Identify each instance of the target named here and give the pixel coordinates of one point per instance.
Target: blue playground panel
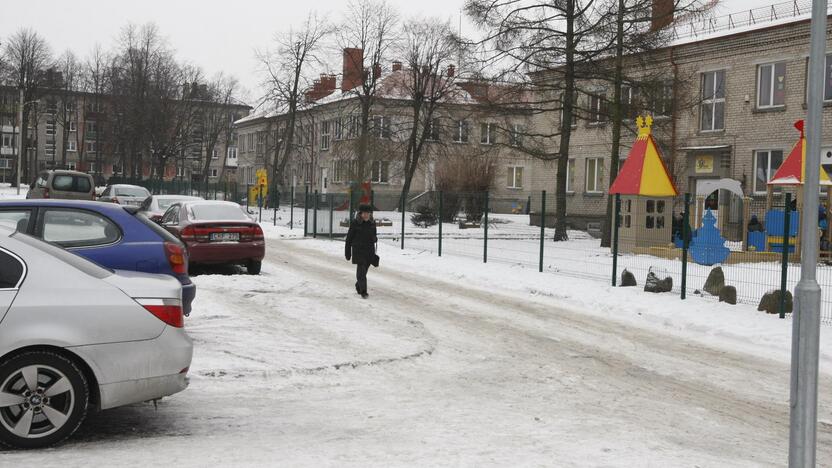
(757, 239)
(775, 220)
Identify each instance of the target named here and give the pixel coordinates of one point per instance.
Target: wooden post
(769, 201)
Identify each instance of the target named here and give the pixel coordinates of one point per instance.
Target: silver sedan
(75, 336)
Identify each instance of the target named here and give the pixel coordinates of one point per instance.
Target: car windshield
(80, 263)
(131, 192)
(165, 203)
(209, 212)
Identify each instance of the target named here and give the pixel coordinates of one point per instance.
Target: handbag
(374, 260)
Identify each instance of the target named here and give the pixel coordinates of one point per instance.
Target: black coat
(361, 241)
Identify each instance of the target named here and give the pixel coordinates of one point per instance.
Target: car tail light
(115, 200)
(192, 233)
(177, 257)
(166, 310)
(250, 233)
(46, 193)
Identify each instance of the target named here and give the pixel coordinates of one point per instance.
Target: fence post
(292, 210)
(305, 209)
(485, 231)
(315, 217)
(276, 205)
(404, 198)
(616, 224)
(685, 244)
(542, 226)
(784, 272)
(331, 200)
(260, 202)
(440, 223)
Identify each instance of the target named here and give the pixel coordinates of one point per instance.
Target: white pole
(20, 137)
(806, 317)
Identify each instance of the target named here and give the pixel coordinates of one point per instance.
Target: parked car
(123, 194)
(65, 185)
(75, 335)
(217, 232)
(110, 235)
(155, 205)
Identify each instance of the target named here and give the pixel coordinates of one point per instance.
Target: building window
(771, 85)
(574, 109)
(461, 132)
(241, 143)
(250, 142)
(5, 163)
(91, 147)
(654, 218)
(713, 101)
(661, 100)
(827, 83)
(70, 166)
(594, 174)
(354, 126)
(91, 168)
(433, 130)
(261, 142)
(570, 176)
(71, 146)
(766, 163)
(232, 153)
(214, 154)
(380, 173)
(117, 169)
(515, 177)
(598, 108)
(339, 128)
(73, 126)
(325, 135)
(516, 135)
(7, 140)
(50, 128)
(488, 134)
(381, 126)
(180, 171)
(213, 173)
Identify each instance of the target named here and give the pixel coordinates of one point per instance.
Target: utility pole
(20, 137)
(806, 318)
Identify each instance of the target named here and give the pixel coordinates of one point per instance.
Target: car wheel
(253, 267)
(43, 399)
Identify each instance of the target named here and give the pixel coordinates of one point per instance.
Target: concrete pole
(806, 317)
(20, 137)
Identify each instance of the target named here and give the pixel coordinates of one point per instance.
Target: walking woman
(361, 246)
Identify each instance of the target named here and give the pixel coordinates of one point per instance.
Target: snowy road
(293, 369)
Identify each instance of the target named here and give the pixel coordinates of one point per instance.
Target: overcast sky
(218, 35)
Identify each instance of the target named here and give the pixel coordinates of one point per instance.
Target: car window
(106, 192)
(209, 212)
(165, 203)
(78, 228)
(86, 266)
(11, 271)
(132, 192)
(41, 181)
(82, 184)
(62, 182)
(15, 219)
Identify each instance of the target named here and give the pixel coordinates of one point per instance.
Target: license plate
(225, 236)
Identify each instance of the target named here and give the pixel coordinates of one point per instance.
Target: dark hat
(364, 208)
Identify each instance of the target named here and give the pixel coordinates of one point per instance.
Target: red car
(217, 232)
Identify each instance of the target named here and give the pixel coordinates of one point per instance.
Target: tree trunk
(606, 225)
(566, 125)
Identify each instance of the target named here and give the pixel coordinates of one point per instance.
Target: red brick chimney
(376, 71)
(451, 71)
(662, 14)
(397, 66)
(353, 70)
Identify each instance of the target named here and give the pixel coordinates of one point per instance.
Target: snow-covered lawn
(453, 363)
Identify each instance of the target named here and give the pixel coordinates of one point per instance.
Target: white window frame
(487, 136)
(597, 113)
(338, 133)
(381, 127)
(597, 173)
(462, 133)
(516, 135)
(770, 70)
(713, 101)
(71, 145)
(380, 172)
(215, 154)
(90, 146)
(213, 173)
(71, 166)
(762, 190)
(232, 152)
(325, 129)
(7, 140)
(514, 173)
(5, 163)
(73, 126)
(180, 171)
(91, 167)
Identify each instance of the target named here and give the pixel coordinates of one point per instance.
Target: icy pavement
(455, 363)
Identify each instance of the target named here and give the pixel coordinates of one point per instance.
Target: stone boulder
(655, 285)
(715, 282)
(770, 303)
(728, 294)
(628, 279)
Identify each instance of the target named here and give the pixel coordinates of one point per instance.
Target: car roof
(210, 202)
(88, 204)
(128, 185)
(66, 171)
(177, 197)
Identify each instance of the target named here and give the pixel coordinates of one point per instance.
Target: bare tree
(370, 27)
(286, 69)
(69, 92)
(428, 48)
(27, 56)
(95, 81)
(214, 119)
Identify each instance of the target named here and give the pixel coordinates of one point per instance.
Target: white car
(76, 337)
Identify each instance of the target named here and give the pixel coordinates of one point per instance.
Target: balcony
(229, 162)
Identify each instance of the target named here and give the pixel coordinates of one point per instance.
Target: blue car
(108, 234)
